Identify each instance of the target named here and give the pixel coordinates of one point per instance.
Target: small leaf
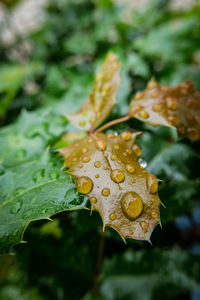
(162, 105)
(102, 97)
(106, 168)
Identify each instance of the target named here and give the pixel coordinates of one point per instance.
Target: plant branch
(114, 122)
(99, 261)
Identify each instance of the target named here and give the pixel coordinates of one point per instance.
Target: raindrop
(16, 207)
(101, 145)
(113, 157)
(152, 183)
(105, 192)
(84, 185)
(143, 114)
(144, 225)
(82, 123)
(86, 159)
(156, 107)
(54, 175)
(126, 136)
(38, 175)
(171, 103)
(137, 150)
(130, 168)
(97, 176)
(80, 166)
(84, 150)
(154, 214)
(97, 164)
(117, 175)
(132, 205)
(93, 200)
(112, 216)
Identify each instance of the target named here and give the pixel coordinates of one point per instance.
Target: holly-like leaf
(162, 105)
(31, 191)
(102, 97)
(106, 168)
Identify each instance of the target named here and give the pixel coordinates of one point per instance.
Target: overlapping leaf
(102, 97)
(106, 168)
(162, 105)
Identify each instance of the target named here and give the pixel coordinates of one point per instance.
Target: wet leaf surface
(102, 98)
(106, 168)
(162, 105)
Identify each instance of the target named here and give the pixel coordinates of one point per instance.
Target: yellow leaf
(162, 105)
(106, 168)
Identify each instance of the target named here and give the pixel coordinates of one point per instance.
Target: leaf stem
(99, 261)
(114, 122)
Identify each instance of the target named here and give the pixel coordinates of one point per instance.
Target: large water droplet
(154, 214)
(105, 192)
(113, 157)
(117, 175)
(86, 159)
(130, 168)
(101, 145)
(156, 107)
(171, 103)
(152, 184)
(84, 185)
(132, 205)
(93, 200)
(38, 175)
(16, 207)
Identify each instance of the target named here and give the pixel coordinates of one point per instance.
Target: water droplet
(133, 180)
(101, 145)
(38, 175)
(124, 153)
(131, 232)
(193, 134)
(116, 147)
(117, 175)
(54, 175)
(111, 135)
(90, 141)
(105, 192)
(174, 120)
(105, 168)
(84, 150)
(130, 168)
(2, 170)
(152, 183)
(156, 107)
(86, 159)
(82, 123)
(137, 150)
(93, 200)
(128, 151)
(80, 166)
(144, 225)
(153, 200)
(154, 214)
(27, 215)
(84, 185)
(113, 157)
(97, 164)
(132, 205)
(126, 136)
(97, 176)
(112, 216)
(171, 103)
(16, 207)
(143, 114)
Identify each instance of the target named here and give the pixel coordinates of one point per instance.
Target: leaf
(162, 105)
(102, 97)
(106, 168)
(149, 274)
(31, 191)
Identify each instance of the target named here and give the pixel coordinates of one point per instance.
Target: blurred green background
(49, 53)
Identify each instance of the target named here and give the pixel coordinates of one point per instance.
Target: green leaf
(149, 274)
(31, 191)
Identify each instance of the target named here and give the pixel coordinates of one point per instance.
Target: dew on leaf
(137, 150)
(97, 164)
(84, 185)
(101, 145)
(112, 216)
(154, 214)
(38, 175)
(113, 157)
(132, 205)
(152, 183)
(143, 114)
(93, 200)
(54, 175)
(86, 159)
(130, 168)
(105, 192)
(16, 207)
(144, 226)
(126, 136)
(117, 175)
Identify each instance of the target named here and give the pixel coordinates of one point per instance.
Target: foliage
(66, 51)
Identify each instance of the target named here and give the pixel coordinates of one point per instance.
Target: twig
(114, 122)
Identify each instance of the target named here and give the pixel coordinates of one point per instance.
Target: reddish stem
(99, 261)
(114, 122)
